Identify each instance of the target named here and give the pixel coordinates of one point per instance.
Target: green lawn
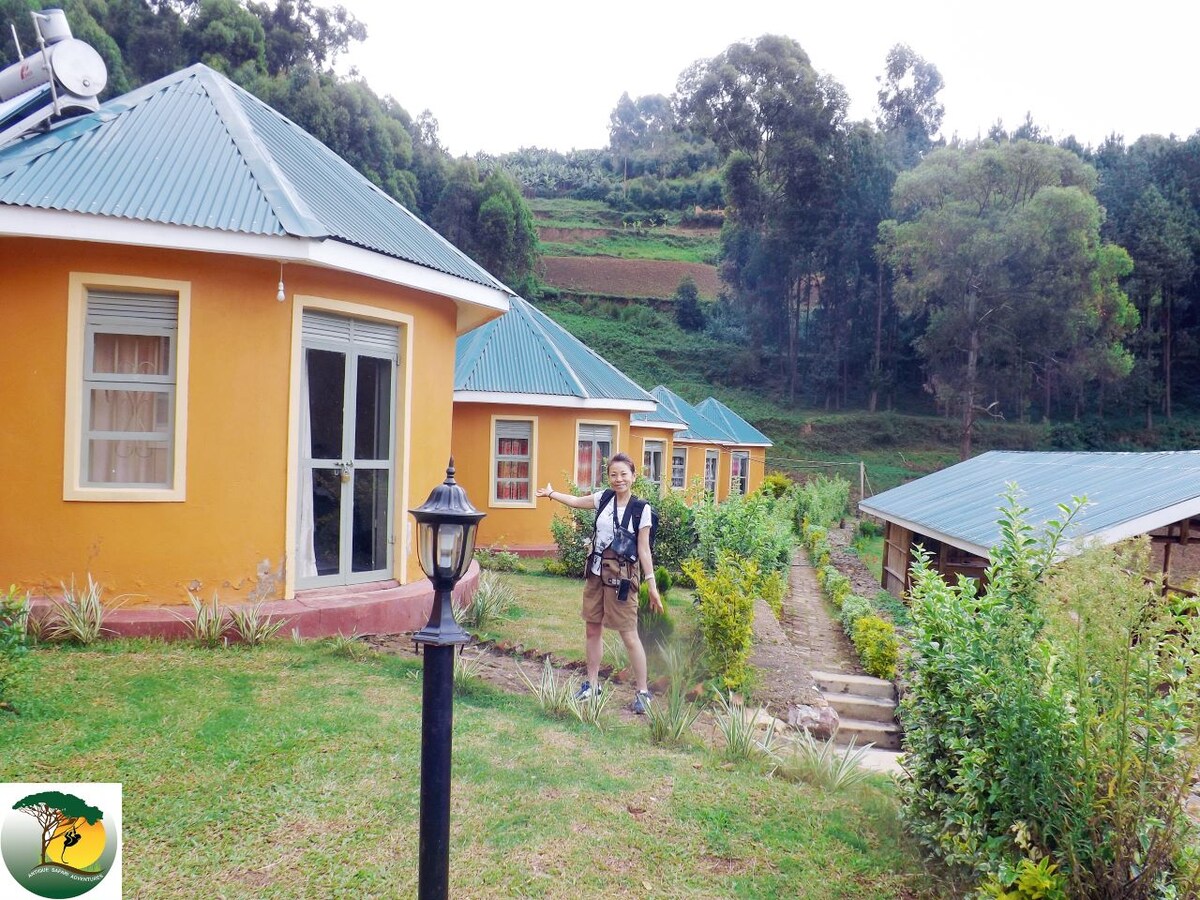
(291, 771)
(677, 247)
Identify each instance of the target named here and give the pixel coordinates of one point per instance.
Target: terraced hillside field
(606, 276)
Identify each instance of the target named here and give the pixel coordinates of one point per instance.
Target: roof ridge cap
(294, 214)
(527, 309)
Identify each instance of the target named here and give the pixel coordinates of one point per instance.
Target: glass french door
(347, 451)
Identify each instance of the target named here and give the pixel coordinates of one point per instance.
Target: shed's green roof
(1128, 494)
(743, 432)
(194, 149)
(526, 356)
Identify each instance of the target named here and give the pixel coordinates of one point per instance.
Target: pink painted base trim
(379, 608)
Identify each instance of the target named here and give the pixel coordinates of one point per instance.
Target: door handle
(346, 468)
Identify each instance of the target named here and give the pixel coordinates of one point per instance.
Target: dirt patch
(571, 235)
(605, 276)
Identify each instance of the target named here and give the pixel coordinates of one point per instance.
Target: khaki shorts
(600, 600)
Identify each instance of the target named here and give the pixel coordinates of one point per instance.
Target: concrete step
(864, 685)
(883, 735)
(856, 706)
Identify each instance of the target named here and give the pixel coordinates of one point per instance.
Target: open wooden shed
(954, 513)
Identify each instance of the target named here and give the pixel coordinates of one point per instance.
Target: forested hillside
(833, 264)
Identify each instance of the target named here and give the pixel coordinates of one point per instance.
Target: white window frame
(734, 457)
(78, 398)
(497, 458)
(710, 485)
(615, 432)
(681, 482)
(649, 446)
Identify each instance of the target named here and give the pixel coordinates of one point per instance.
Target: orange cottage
(533, 405)
(227, 363)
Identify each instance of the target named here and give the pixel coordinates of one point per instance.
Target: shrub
(1054, 718)
(822, 501)
(208, 621)
(726, 612)
(776, 485)
(757, 527)
(498, 560)
(837, 586)
(875, 641)
(572, 532)
(14, 613)
(772, 588)
(854, 608)
(655, 627)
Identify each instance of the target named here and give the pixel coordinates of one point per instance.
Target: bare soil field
(610, 277)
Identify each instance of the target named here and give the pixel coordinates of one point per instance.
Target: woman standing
(610, 592)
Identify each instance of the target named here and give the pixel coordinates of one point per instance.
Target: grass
(663, 246)
(870, 551)
(292, 771)
(565, 213)
(546, 616)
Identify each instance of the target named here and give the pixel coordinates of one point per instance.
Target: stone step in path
(866, 708)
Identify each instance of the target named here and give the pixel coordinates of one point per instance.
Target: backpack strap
(633, 513)
(604, 498)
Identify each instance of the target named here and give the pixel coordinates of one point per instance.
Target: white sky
(540, 73)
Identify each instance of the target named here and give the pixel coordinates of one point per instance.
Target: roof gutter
(475, 303)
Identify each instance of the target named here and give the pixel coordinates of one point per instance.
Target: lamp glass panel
(449, 549)
(426, 533)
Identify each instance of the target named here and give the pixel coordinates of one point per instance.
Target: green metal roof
(194, 149)
(699, 427)
(661, 417)
(525, 354)
(1128, 494)
(743, 432)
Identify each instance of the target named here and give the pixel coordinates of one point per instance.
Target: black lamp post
(446, 525)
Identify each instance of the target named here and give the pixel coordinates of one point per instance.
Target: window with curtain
(710, 471)
(512, 471)
(594, 450)
(739, 471)
(652, 460)
(129, 390)
(679, 467)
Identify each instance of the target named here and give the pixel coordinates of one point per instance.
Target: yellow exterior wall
(233, 523)
(519, 526)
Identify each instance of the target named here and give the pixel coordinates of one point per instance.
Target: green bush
(14, 613)
(498, 560)
(776, 485)
(854, 608)
(758, 527)
(837, 586)
(822, 500)
(875, 641)
(675, 539)
(773, 588)
(572, 533)
(725, 600)
(1054, 718)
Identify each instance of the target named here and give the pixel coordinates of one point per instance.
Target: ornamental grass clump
(208, 621)
(493, 600)
(823, 763)
(1052, 722)
(739, 730)
(253, 627)
(78, 615)
(553, 695)
(672, 715)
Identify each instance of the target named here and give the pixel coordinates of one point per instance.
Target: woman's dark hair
(623, 458)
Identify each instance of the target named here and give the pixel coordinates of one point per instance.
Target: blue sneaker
(586, 690)
(641, 702)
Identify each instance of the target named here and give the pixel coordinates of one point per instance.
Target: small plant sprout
(553, 694)
(739, 729)
(208, 621)
(253, 627)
